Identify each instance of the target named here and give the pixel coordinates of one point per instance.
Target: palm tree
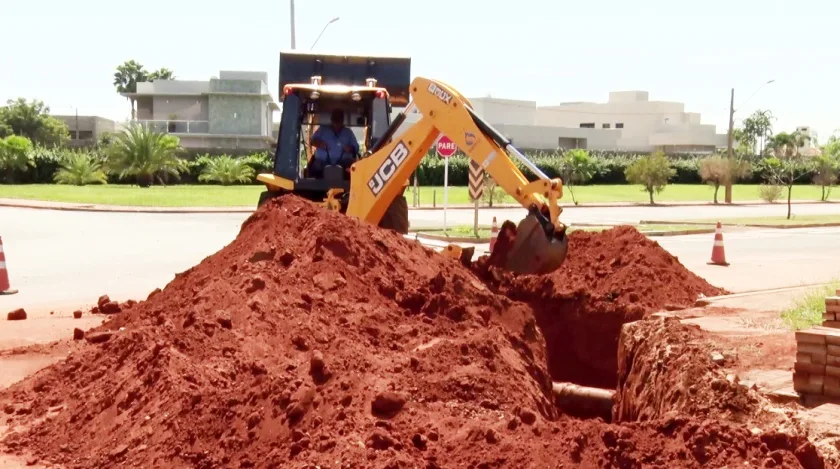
(763, 126)
(126, 78)
(143, 153)
(226, 171)
(79, 168)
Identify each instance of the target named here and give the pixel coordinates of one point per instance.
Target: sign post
(476, 189)
(445, 149)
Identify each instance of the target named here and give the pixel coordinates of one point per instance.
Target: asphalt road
(618, 215)
(62, 260)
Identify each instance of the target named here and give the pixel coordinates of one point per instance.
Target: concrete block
(810, 368)
(810, 336)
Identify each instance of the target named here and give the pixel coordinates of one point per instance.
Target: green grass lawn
(232, 196)
(780, 220)
(807, 310)
(627, 193)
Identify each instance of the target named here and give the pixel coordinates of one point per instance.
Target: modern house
(231, 113)
(628, 121)
(86, 130)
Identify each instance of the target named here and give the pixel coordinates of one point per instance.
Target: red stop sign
(446, 147)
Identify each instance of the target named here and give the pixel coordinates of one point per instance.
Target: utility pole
(77, 123)
(728, 196)
(292, 16)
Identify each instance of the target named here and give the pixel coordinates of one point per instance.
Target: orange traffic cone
(718, 254)
(5, 287)
(494, 233)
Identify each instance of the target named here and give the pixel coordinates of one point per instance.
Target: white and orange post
(5, 287)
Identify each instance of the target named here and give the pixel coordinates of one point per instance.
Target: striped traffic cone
(5, 287)
(494, 233)
(718, 254)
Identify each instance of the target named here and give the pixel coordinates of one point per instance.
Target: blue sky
(549, 51)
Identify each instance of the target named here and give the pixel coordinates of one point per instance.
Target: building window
(587, 125)
(619, 125)
(605, 126)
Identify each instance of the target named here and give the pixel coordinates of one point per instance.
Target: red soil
(316, 340)
(609, 278)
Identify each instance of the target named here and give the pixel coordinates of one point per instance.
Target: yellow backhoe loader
(370, 183)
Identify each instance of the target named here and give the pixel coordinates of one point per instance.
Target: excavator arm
(537, 245)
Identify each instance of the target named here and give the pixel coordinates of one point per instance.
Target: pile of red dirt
(609, 278)
(667, 368)
(314, 340)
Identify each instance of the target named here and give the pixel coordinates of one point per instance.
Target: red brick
(830, 360)
(831, 324)
(829, 316)
(832, 300)
(803, 358)
(810, 336)
(810, 368)
(833, 371)
(812, 348)
(805, 383)
(834, 350)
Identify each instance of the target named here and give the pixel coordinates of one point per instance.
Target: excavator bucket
(528, 248)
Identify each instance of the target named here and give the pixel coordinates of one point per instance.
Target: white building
(628, 121)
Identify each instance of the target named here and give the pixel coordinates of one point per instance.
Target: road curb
(749, 225)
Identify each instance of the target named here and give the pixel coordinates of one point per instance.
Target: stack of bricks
(831, 317)
(817, 367)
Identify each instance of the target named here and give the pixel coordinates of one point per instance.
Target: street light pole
(292, 18)
(731, 135)
(322, 31)
(728, 194)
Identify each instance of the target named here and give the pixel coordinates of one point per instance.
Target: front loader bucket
(528, 249)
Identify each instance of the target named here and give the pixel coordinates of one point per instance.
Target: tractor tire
(396, 217)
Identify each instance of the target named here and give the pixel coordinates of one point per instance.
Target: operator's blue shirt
(336, 141)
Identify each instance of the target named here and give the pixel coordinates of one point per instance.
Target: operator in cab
(334, 145)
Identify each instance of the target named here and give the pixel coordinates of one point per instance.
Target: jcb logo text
(388, 168)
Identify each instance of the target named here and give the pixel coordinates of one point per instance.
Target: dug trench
(609, 279)
(314, 339)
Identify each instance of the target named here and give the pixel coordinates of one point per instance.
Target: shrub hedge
(610, 168)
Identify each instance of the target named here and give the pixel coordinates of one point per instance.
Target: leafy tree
(162, 74)
(80, 168)
(576, 167)
(786, 165)
(718, 170)
(827, 166)
(32, 120)
(145, 154)
(652, 172)
(226, 170)
(15, 154)
(130, 73)
(492, 191)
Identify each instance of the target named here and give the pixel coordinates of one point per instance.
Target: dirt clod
(16, 315)
(78, 334)
(387, 403)
(77, 314)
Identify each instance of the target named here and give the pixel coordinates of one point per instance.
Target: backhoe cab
(312, 88)
(365, 88)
